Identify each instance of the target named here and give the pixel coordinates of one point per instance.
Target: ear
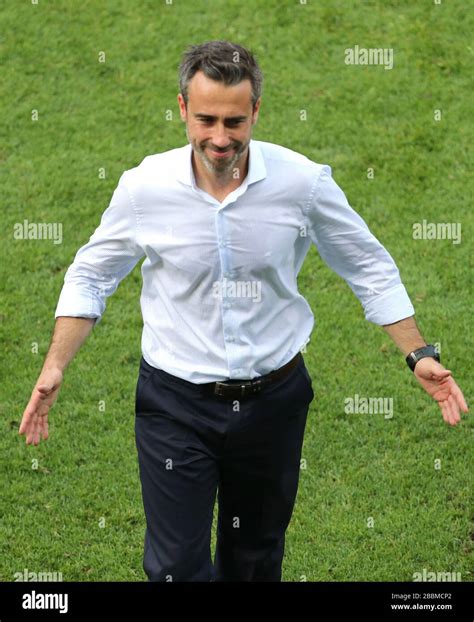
(256, 110)
(182, 107)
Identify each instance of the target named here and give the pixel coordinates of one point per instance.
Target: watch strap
(428, 350)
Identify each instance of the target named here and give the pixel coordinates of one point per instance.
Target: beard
(221, 167)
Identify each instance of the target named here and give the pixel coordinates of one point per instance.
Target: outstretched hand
(438, 382)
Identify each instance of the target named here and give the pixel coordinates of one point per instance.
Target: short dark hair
(222, 61)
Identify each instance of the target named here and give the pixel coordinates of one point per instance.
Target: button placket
(226, 272)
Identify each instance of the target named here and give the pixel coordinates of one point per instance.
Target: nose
(220, 139)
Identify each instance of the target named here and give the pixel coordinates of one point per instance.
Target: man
(224, 224)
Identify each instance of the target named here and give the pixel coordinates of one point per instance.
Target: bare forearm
(405, 335)
(69, 334)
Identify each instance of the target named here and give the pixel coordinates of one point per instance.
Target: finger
(459, 397)
(454, 409)
(441, 375)
(36, 437)
(44, 427)
(449, 414)
(27, 416)
(22, 428)
(451, 411)
(447, 380)
(44, 390)
(29, 432)
(444, 411)
(32, 430)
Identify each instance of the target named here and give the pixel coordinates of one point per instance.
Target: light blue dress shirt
(219, 297)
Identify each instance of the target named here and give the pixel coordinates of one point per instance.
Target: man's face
(219, 121)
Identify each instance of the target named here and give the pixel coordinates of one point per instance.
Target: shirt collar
(256, 172)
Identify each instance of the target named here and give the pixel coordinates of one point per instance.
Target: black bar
(302, 599)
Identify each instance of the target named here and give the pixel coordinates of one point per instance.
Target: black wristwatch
(413, 358)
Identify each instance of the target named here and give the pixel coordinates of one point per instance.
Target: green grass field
(79, 512)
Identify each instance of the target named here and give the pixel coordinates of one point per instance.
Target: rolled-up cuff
(72, 303)
(389, 307)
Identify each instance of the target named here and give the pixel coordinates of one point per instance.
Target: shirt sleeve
(100, 265)
(348, 247)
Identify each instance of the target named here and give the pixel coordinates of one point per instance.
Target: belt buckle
(219, 384)
(254, 385)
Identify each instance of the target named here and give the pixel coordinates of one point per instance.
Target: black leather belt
(238, 389)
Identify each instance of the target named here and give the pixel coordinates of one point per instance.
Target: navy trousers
(191, 446)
